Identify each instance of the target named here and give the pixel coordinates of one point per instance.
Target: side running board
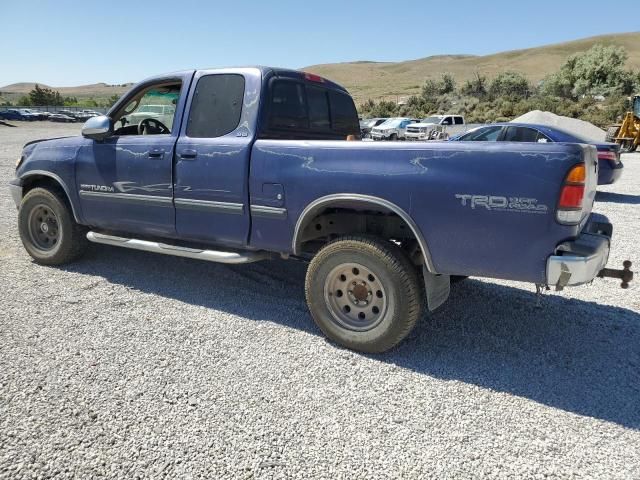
(156, 247)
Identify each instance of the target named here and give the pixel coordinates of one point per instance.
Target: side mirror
(98, 128)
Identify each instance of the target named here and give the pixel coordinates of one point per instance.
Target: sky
(67, 43)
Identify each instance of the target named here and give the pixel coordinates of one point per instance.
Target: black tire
(612, 133)
(628, 146)
(48, 230)
(393, 137)
(387, 281)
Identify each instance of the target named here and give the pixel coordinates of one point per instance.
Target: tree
(511, 85)
(476, 87)
(44, 96)
(598, 71)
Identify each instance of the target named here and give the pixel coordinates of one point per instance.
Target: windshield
(392, 123)
(368, 123)
(431, 120)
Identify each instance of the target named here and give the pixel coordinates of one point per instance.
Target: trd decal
(97, 188)
(502, 204)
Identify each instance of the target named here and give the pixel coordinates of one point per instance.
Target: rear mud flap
(437, 288)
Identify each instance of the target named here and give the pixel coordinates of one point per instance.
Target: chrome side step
(156, 247)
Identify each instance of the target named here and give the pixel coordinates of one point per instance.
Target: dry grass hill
(378, 79)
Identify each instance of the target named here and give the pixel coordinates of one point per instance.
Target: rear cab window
(217, 106)
(298, 109)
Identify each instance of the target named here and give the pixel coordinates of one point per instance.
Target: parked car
(17, 114)
(59, 117)
(35, 114)
(367, 124)
(267, 171)
(609, 165)
(436, 127)
(69, 113)
(392, 129)
(162, 113)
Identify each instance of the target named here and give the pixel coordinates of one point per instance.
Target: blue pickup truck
(249, 164)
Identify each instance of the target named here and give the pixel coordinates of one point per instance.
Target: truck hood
(422, 125)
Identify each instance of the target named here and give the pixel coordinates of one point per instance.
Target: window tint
(521, 134)
(288, 109)
(297, 110)
(344, 117)
(447, 121)
(458, 120)
(318, 108)
(488, 134)
(217, 106)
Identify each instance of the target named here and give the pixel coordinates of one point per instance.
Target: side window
(542, 138)
(318, 108)
(458, 120)
(217, 106)
(489, 134)
(288, 109)
(151, 111)
(521, 134)
(344, 118)
(447, 121)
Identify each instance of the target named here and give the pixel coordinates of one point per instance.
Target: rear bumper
(579, 261)
(609, 175)
(16, 191)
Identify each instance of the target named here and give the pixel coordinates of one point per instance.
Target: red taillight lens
(613, 157)
(571, 196)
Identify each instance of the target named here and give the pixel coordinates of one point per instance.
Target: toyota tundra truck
(264, 163)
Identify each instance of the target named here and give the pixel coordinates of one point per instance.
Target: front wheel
(363, 293)
(48, 230)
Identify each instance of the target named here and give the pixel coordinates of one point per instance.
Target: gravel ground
(130, 365)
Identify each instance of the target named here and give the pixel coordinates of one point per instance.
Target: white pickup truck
(436, 127)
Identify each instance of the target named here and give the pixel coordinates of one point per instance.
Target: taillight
(612, 157)
(572, 196)
(312, 77)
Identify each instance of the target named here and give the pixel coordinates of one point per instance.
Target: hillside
(378, 79)
(96, 90)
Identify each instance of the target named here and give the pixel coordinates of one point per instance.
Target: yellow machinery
(627, 133)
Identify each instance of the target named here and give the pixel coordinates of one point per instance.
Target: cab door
(211, 193)
(125, 182)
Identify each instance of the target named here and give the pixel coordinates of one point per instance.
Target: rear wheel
(47, 228)
(363, 293)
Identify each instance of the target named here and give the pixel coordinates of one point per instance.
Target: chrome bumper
(16, 192)
(579, 261)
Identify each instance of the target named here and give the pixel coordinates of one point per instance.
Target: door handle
(188, 154)
(156, 153)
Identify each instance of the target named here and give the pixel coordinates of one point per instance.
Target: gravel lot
(131, 365)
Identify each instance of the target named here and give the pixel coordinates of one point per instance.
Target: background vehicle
(436, 127)
(17, 114)
(68, 113)
(627, 134)
(392, 129)
(609, 164)
(162, 113)
(369, 123)
(36, 114)
(59, 117)
(257, 164)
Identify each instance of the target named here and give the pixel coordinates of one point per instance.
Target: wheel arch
(340, 199)
(42, 178)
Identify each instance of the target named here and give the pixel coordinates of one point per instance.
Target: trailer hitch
(625, 274)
